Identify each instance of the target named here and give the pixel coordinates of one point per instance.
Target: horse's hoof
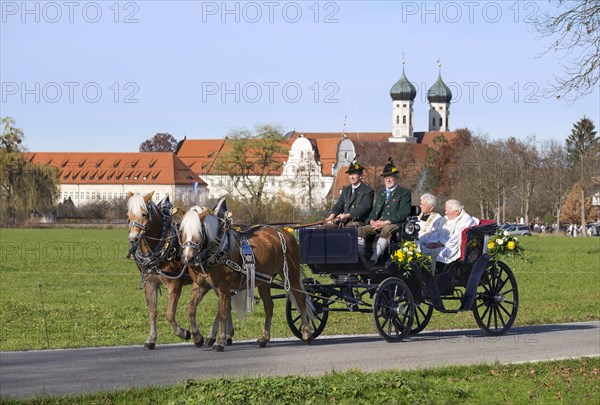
(188, 335)
(308, 341)
(199, 343)
(217, 348)
(149, 346)
(229, 342)
(261, 344)
(210, 342)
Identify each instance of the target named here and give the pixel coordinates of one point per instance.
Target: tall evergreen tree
(583, 151)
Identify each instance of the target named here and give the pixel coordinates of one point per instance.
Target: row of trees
(505, 179)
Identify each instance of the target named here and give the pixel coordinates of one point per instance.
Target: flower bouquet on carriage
(408, 256)
(503, 244)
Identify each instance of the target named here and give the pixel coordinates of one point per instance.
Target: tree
(554, 177)
(442, 161)
(11, 137)
(573, 206)
(161, 142)
(24, 187)
(525, 167)
(583, 150)
(248, 160)
(575, 26)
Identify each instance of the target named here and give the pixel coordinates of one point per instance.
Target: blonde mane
(136, 206)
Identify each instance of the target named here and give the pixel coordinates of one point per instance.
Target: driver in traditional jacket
(355, 202)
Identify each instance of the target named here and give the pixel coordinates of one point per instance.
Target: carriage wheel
(423, 313)
(319, 305)
(497, 300)
(393, 309)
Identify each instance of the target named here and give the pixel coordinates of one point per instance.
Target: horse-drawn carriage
(402, 302)
(219, 258)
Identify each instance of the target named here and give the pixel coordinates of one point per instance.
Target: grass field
(64, 288)
(565, 381)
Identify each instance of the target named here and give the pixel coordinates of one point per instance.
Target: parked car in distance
(518, 230)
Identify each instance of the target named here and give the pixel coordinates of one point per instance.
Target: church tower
(403, 94)
(439, 96)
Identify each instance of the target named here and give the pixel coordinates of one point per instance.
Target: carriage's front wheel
(393, 309)
(318, 302)
(423, 313)
(497, 301)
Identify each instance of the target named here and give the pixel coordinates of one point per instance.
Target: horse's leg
(174, 287)
(198, 292)
(151, 296)
(224, 312)
(298, 295)
(264, 291)
(212, 335)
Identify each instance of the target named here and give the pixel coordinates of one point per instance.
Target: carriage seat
(474, 240)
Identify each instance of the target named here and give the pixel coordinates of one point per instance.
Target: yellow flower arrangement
(408, 255)
(505, 244)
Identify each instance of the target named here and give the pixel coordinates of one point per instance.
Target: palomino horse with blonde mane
(236, 261)
(154, 246)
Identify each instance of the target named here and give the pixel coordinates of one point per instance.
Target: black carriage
(402, 303)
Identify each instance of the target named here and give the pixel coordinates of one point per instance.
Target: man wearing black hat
(391, 208)
(355, 202)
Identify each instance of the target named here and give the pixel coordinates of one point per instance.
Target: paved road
(58, 372)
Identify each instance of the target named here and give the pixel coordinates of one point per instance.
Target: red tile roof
(117, 168)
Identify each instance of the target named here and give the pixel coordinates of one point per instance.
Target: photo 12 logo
(70, 92)
(469, 11)
(270, 12)
(269, 92)
(52, 12)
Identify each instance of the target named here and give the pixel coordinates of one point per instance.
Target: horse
(210, 248)
(154, 246)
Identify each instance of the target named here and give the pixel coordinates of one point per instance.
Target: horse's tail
(238, 304)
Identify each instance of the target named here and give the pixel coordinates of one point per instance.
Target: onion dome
(439, 92)
(403, 89)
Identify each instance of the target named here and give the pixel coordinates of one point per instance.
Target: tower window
(397, 105)
(404, 119)
(441, 107)
(403, 105)
(441, 121)
(433, 121)
(397, 119)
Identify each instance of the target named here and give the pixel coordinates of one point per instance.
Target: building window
(441, 122)
(404, 105)
(441, 107)
(433, 121)
(397, 119)
(404, 119)
(397, 105)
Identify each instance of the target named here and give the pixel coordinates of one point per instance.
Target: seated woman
(444, 245)
(429, 221)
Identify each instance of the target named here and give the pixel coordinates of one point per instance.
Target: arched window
(433, 121)
(404, 119)
(441, 122)
(397, 119)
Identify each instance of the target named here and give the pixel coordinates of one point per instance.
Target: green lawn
(79, 284)
(565, 381)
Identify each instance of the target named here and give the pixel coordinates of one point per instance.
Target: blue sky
(105, 76)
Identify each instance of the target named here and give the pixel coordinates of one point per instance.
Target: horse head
(138, 215)
(199, 228)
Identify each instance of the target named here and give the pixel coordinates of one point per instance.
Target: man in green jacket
(355, 202)
(390, 209)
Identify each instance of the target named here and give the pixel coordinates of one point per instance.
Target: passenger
(355, 202)
(391, 208)
(444, 244)
(429, 221)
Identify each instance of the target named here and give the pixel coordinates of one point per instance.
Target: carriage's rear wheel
(393, 309)
(497, 301)
(318, 303)
(423, 313)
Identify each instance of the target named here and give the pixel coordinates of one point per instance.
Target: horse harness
(218, 252)
(166, 250)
